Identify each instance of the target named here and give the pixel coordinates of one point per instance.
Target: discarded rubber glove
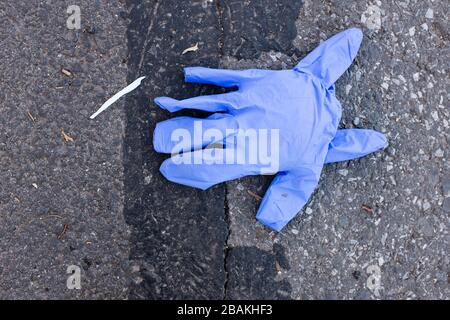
(299, 109)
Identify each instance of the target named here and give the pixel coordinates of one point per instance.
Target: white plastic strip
(136, 83)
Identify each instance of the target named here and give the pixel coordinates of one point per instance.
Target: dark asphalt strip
(179, 233)
(179, 241)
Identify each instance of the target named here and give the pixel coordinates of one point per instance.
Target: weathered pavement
(398, 246)
(61, 203)
(138, 236)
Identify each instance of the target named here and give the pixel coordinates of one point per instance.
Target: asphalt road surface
(88, 193)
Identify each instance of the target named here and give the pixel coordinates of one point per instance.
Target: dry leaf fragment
(136, 83)
(191, 49)
(278, 267)
(66, 72)
(66, 137)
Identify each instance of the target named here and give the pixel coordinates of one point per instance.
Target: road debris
(66, 72)
(34, 185)
(278, 267)
(367, 209)
(136, 83)
(371, 18)
(31, 116)
(191, 49)
(256, 196)
(63, 232)
(66, 137)
(90, 30)
(53, 216)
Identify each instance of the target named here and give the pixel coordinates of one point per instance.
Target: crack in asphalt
(226, 249)
(219, 9)
(147, 36)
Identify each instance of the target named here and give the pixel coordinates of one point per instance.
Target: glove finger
(221, 77)
(211, 103)
(286, 196)
(187, 133)
(195, 169)
(349, 144)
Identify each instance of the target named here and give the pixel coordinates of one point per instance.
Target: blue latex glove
(300, 103)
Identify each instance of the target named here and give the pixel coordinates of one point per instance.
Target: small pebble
(348, 88)
(446, 205)
(371, 18)
(383, 239)
(429, 14)
(435, 116)
(439, 153)
(147, 180)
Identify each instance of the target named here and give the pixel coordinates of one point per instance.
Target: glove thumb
(287, 195)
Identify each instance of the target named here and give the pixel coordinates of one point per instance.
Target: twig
(31, 116)
(63, 232)
(367, 209)
(256, 196)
